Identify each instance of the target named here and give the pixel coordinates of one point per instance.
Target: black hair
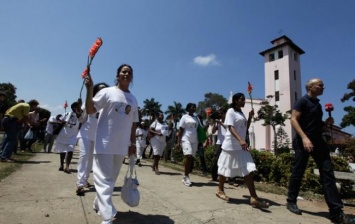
(236, 97)
(189, 105)
(97, 87)
(119, 70)
(33, 102)
(74, 105)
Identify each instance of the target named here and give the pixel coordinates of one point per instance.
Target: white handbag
(129, 191)
(29, 134)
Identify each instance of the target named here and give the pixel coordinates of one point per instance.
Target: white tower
(282, 79)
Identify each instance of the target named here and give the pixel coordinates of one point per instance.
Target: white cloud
(206, 60)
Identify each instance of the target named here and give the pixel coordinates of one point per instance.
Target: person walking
(86, 141)
(19, 113)
(221, 132)
(235, 159)
(49, 136)
(66, 139)
(141, 135)
(187, 140)
(115, 136)
(306, 119)
(170, 144)
(159, 130)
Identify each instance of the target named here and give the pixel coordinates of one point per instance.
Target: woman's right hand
(88, 81)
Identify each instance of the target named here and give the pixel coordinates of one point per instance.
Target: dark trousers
(322, 158)
(201, 154)
(10, 141)
(214, 169)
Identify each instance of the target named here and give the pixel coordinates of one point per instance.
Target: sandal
(157, 172)
(257, 203)
(67, 171)
(222, 195)
(80, 191)
(88, 185)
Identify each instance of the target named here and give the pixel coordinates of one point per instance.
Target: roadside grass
(8, 168)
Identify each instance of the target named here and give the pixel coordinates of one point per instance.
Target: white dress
(66, 139)
(234, 161)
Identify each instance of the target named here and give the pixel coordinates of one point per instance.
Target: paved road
(39, 193)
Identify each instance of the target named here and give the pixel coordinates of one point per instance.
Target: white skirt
(61, 147)
(235, 163)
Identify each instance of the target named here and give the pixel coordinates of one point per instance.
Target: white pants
(86, 153)
(106, 168)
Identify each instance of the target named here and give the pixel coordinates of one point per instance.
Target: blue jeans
(10, 141)
(322, 158)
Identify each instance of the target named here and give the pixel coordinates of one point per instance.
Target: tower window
(296, 98)
(280, 54)
(276, 74)
(277, 96)
(294, 74)
(295, 56)
(271, 57)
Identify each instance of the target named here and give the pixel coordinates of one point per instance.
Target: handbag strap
(131, 167)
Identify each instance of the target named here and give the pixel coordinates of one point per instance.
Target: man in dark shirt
(306, 119)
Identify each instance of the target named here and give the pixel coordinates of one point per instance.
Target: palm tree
(150, 108)
(175, 112)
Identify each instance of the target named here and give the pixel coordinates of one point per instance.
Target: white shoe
(186, 180)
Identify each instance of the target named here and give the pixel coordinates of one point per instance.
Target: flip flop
(222, 195)
(257, 203)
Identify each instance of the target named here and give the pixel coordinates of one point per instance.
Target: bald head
(314, 87)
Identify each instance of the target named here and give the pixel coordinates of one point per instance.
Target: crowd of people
(107, 127)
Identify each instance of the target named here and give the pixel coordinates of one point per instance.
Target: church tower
(282, 78)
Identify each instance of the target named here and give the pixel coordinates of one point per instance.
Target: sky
(179, 49)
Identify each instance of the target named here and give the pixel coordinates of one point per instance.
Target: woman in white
(141, 135)
(66, 139)
(115, 136)
(158, 142)
(235, 159)
(187, 139)
(86, 139)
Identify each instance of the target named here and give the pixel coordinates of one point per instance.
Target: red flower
(65, 105)
(95, 47)
(85, 73)
(250, 87)
(329, 107)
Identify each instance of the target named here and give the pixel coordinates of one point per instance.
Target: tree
(212, 100)
(273, 117)
(10, 91)
(283, 141)
(150, 108)
(175, 111)
(349, 118)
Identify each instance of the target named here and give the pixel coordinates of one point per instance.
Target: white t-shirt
(239, 123)
(141, 136)
(221, 133)
(89, 125)
(49, 127)
(70, 130)
(118, 112)
(189, 124)
(158, 127)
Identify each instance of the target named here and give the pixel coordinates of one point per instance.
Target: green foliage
(274, 117)
(212, 100)
(176, 111)
(349, 118)
(349, 151)
(151, 108)
(10, 91)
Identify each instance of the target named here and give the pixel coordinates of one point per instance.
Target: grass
(8, 168)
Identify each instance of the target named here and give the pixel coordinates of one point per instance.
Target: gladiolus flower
(85, 73)
(95, 47)
(329, 107)
(250, 87)
(65, 105)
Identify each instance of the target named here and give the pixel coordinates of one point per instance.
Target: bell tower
(282, 67)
